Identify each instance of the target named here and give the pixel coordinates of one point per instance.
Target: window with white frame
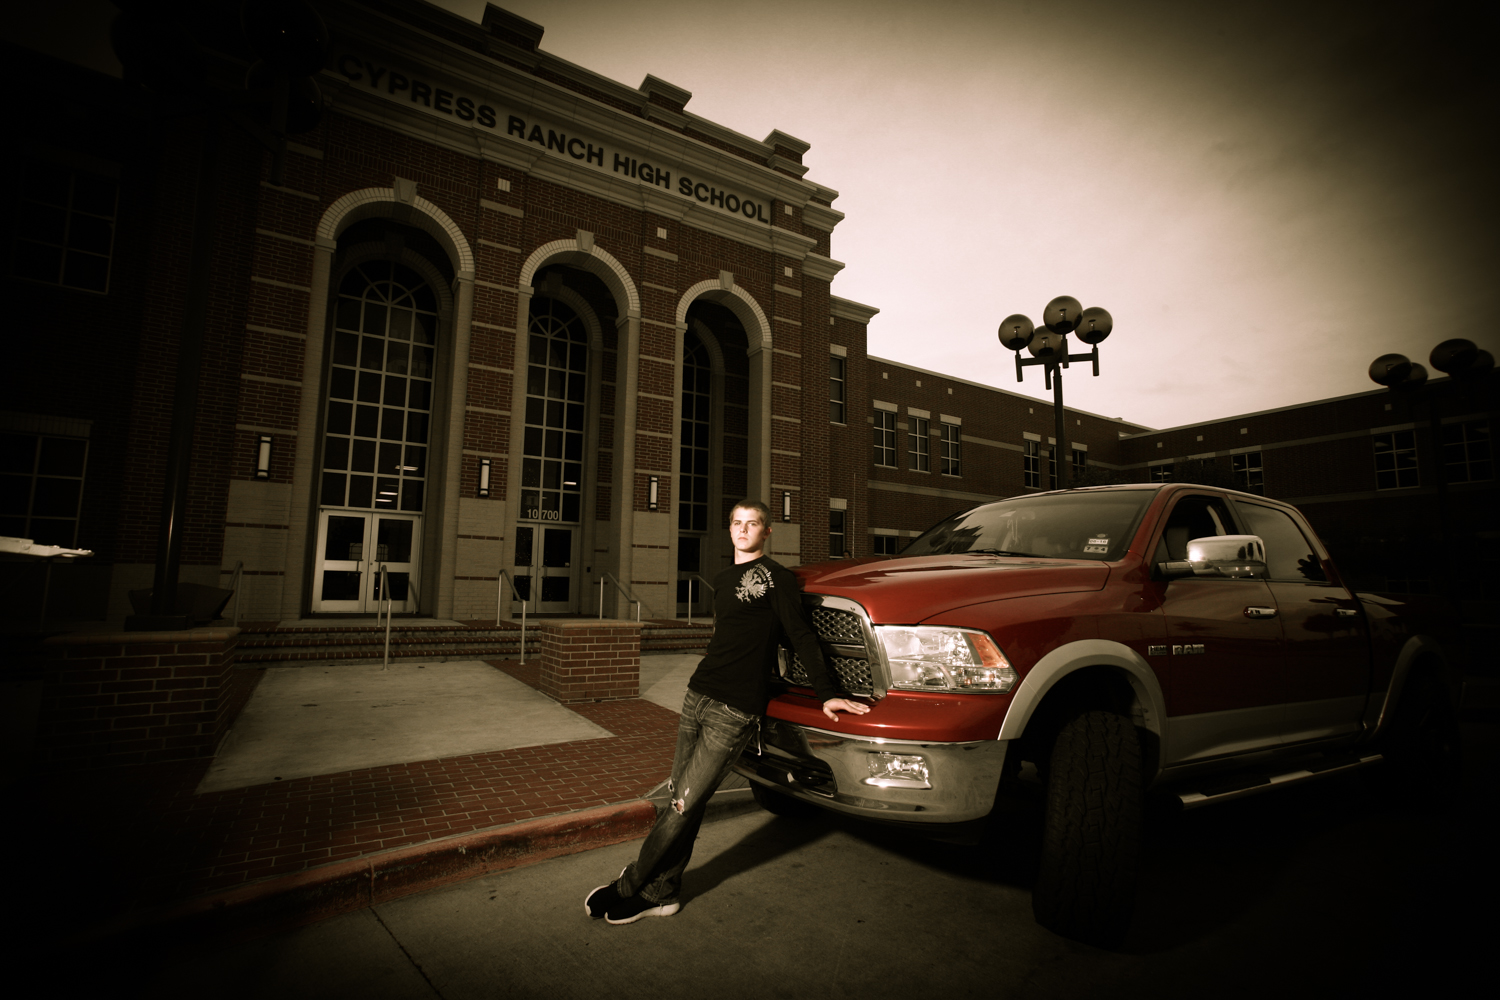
(65, 227)
(1466, 452)
(1031, 464)
(1248, 474)
(1080, 461)
(837, 389)
(885, 438)
(41, 487)
(1395, 460)
(918, 439)
(952, 456)
(1162, 473)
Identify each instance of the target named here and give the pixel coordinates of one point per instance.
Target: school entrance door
(352, 546)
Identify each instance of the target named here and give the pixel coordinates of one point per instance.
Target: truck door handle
(1345, 612)
(1260, 612)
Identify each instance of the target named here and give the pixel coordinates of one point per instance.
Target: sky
(1265, 196)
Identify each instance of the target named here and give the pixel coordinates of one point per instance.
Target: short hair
(755, 505)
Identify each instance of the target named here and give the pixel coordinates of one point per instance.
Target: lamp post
(1049, 348)
(1460, 359)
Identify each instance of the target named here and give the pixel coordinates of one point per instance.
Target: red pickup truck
(1116, 638)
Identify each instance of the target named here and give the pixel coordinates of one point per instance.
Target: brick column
(587, 659)
(137, 697)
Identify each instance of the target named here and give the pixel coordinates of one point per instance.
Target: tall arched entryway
(713, 447)
(381, 388)
(549, 532)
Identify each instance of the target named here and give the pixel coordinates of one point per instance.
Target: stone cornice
(849, 309)
(824, 269)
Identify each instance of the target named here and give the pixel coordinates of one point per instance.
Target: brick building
(504, 314)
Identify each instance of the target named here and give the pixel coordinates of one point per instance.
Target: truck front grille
(854, 675)
(834, 625)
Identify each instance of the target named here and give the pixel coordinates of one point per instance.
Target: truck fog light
(897, 770)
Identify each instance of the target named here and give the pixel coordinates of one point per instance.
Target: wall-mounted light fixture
(653, 494)
(263, 458)
(786, 505)
(484, 477)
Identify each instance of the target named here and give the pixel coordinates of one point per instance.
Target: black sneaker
(597, 902)
(632, 908)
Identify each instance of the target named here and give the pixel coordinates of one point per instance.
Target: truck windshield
(1056, 526)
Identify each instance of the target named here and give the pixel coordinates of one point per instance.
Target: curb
(330, 890)
(327, 891)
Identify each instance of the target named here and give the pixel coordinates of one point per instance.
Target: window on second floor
(952, 456)
(1395, 460)
(918, 439)
(1248, 475)
(1031, 464)
(65, 227)
(837, 384)
(1466, 452)
(885, 438)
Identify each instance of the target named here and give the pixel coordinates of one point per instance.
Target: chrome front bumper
(833, 770)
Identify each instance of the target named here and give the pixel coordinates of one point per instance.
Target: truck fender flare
(1380, 709)
(1074, 656)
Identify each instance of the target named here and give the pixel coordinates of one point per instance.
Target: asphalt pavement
(1327, 890)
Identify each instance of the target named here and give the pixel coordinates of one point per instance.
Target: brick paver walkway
(139, 836)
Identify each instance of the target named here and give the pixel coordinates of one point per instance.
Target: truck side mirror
(1235, 557)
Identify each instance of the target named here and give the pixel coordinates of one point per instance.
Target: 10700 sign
(544, 515)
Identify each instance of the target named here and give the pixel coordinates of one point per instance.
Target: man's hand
(835, 705)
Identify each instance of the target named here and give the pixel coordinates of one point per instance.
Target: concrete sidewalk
(344, 786)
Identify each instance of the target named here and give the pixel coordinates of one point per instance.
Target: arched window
(556, 390)
(380, 390)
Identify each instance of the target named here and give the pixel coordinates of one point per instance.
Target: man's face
(748, 531)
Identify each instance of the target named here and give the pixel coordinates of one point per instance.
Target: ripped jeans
(710, 738)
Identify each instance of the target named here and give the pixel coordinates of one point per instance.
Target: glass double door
(352, 547)
(545, 574)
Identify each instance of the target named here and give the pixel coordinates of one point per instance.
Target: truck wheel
(773, 801)
(1424, 746)
(1085, 887)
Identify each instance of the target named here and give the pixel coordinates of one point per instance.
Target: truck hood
(909, 591)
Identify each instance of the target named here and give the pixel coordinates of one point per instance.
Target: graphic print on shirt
(754, 584)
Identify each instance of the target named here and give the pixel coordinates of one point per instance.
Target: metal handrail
(499, 597)
(385, 602)
(234, 585)
(390, 606)
(624, 592)
(690, 578)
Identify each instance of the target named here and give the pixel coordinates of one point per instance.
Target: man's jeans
(710, 737)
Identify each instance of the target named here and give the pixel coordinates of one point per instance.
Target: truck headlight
(927, 658)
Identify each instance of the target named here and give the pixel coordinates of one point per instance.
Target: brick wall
(590, 660)
(133, 698)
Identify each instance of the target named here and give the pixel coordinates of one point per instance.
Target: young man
(756, 602)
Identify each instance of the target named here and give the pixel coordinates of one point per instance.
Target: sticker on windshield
(1097, 546)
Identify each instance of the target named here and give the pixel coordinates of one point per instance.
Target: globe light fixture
(1048, 347)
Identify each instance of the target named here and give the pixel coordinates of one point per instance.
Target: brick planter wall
(590, 660)
(137, 697)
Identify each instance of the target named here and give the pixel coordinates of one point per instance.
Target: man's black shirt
(755, 605)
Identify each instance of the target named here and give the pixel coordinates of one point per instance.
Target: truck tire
(775, 802)
(1424, 746)
(1085, 887)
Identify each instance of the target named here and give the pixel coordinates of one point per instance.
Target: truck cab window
(1195, 516)
(1288, 554)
